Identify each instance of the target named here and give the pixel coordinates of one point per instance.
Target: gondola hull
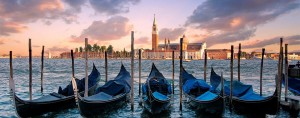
(267, 106)
(28, 109)
(92, 108)
(34, 108)
(112, 95)
(49, 103)
(156, 106)
(156, 92)
(214, 107)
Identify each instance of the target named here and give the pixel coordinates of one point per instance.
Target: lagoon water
(57, 72)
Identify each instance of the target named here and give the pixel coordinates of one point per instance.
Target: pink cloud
(142, 40)
(113, 29)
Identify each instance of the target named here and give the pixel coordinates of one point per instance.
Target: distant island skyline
(62, 25)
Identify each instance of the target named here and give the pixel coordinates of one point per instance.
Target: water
(57, 72)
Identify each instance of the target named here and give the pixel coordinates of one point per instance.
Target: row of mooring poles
(280, 68)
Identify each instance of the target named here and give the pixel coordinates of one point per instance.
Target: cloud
(291, 40)
(111, 7)
(36, 46)
(142, 40)
(243, 34)
(113, 29)
(1, 41)
(170, 33)
(228, 16)
(10, 27)
(75, 4)
(59, 49)
(20, 12)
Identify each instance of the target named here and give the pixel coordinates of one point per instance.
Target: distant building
(294, 56)
(66, 55)
(164, 51)
(218, 53)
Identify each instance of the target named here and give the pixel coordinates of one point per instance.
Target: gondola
(199, 96)
(215, 81)
(111, 95)
(293, 85)
(156, 92)
(54, 101)
(293, 79)
(246, 101)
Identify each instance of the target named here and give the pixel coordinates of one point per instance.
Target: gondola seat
(160, 96)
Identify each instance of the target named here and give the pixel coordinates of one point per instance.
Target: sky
(62, 25)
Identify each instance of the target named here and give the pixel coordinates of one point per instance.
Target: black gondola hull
(268, 106)
(156, 106)
(28, 109)
(215, 106)
(93, 108)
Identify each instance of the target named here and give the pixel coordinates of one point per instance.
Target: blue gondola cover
(207, 96)
(195, 83)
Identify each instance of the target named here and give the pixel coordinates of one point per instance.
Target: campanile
(154, 36)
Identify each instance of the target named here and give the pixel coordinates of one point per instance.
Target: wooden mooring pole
(86, 69)
(286, 71)
(11, 80)
(231, 78)
(261, 71)
(30, 71)
(132, 70)
(140, 66)
(42, 69)
(205, 63)
(239, 62)
(180, 78)
(279, 70)
(173, 70)
(72, 57)
(106, 69)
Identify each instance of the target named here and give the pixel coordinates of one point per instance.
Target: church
(164, 51)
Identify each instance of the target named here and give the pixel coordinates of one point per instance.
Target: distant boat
(107, 97)
(54, 101)
(187, 60)
(156, 92)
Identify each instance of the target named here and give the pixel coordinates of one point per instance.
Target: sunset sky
(62, 25)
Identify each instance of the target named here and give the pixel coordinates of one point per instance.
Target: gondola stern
(75, 89)
(153, 67)
(15, 98)
(123, 69)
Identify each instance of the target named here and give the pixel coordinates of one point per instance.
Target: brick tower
(154, 36)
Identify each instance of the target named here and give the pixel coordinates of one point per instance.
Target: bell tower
(154, 36)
